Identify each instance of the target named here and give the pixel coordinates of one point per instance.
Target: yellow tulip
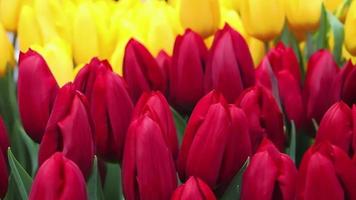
(105, 31)
(9, 13)
(263, 19)
(202, 16)
(350, 30)
(347, 56)
(29, 32)
(303, 15)
(231, 4)
(6, 50)
(85, 36)
(332, 5)
(59, 59)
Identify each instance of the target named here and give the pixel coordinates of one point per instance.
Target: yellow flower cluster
(68, 33)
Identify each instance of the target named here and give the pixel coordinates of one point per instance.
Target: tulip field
(178, 99)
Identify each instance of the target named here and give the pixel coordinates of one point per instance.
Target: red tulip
(284, 58)
(148, 170)
(58, 178)
(348, 87)
(216, 142)
(155, 105)
(270, 175)
(141, 71)
(36, 92)
(230, 67)
(337, 127)
(264, 115)
(195, 189)
(164, 61)
(326, 173)
(69, 130)
(280, 69)
(110, 105)
(4, 145)
(187, 72)
(322, 86)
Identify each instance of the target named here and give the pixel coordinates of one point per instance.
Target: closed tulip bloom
(326, 172)
(321, 88)
(194, 188)
(9, 14)
(29, 32)
(337, 127)
(350, 29)
(264, 116)
(69, 130)
(148, 170)
(216, 142)
(164, 61)
(36, 91)
(4, 145)
(281, 67)
(303, 15)
(187, 72)
(58, 178)
(262, 19)
(110, 106)
(141, 71)
(7, 51)
(270, 175)
(348, 85)
(230, 66)
(202, 16)
(156, 106)
(85, 35)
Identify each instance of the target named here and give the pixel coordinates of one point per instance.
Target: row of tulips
(235, 112)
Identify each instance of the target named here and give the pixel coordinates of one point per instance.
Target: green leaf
(338, 32)
(112, 186)
(321, 36)
(293, 142)
(94, 184)
(234, 189)
(21, 178)
(181, 123)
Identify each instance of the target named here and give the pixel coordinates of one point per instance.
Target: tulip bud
(348, 87)
(58, 178)
(156, 106)
(326, 172)
(9, 14)
(148, 170)
(216, 142)
(141, 71)
(262, 19)
(350, 29)
(194, 188)
(4, 145)
(6, 51)
(29, 32)
(281, 65)
(303, 15)
(270, 175)
(164, 61)
(85, 36)
(337, 127)
(69, 130)
(187, 72)
(110, 105)
(201, 16)
(322, 87)
(36, 91)
(264, 115)
(230, 67)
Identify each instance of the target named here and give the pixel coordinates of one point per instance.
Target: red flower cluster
(235, 112)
